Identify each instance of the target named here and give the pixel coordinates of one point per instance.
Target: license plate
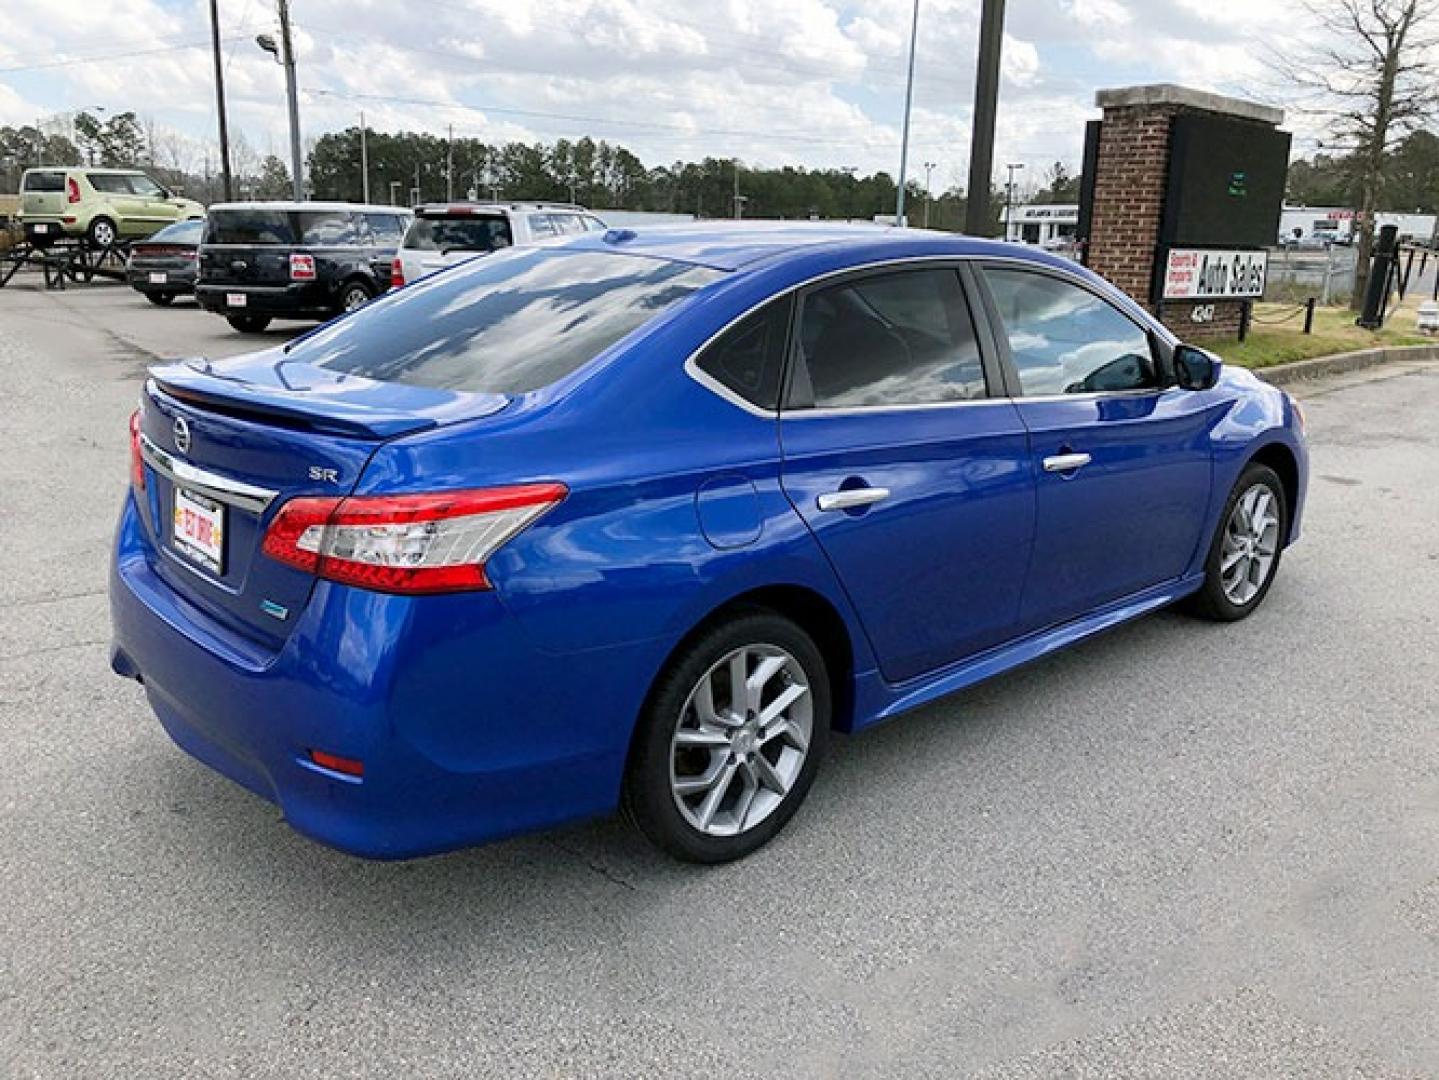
(236, 299)
(158, 277)
(199, 529)
(42, 227)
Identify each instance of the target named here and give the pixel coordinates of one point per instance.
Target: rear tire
(713, 776)
(354, 295)
(101, 233)
(248, 324)
(1244, 555)
(160, 299)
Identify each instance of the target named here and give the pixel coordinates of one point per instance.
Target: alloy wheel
(741, 740)
(1251, 542)
(355, 298)
(104, 233)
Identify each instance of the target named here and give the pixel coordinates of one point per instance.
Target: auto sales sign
(1195, 274)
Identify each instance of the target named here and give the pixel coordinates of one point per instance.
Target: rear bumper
(177, 279)
(302, 300)
(467, 732)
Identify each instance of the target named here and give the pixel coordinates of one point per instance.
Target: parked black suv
(295, 260)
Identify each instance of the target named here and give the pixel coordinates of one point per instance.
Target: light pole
(739, 200)
(928, 197)
(986, 104)
(284, 54)
(904, 138)
(364, 161)
(1013, 168)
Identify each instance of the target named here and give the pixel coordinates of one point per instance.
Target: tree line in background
(1410, 177)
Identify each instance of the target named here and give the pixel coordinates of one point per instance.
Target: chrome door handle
(1066, 462)
(852, 498)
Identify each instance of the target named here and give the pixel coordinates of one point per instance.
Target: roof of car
(290, 204)
(732, 245)
(483, 205)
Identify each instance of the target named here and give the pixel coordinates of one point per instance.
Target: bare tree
(1373, 80)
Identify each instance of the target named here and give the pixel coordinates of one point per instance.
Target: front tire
(1244, 555)
(715, 773)
(248, 324)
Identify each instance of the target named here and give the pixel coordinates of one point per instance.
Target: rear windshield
(459, 233)
(45, 181)
(249, 227)
(182, 232)
(504, 325)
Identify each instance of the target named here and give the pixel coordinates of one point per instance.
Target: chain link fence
(1295, 274)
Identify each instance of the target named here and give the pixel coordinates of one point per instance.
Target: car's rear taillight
(430, 543)
(397, 273)
(72, 190)
(302, 267)
(137, 459)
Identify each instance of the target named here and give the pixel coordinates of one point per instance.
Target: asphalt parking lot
(1179, 850)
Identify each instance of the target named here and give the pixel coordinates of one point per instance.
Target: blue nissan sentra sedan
(639, 519)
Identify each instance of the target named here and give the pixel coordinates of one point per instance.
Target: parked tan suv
(105, 205)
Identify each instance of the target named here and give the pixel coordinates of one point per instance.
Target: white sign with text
(1194, 274)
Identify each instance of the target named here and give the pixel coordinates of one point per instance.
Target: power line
(100, 59)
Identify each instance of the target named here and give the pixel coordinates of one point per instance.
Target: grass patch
(1334, 332)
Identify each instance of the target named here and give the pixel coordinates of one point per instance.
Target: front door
(1121, 460)
(915, 481)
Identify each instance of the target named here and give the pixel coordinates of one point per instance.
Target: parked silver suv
(443, 234)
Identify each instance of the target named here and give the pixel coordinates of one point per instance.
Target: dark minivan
(295, 260)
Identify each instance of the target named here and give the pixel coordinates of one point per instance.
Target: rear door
(247, 246)
(914, 478)
(1121, 458)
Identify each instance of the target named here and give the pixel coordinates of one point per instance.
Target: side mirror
(1195, 369)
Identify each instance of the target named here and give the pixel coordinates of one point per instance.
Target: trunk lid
(228, 444)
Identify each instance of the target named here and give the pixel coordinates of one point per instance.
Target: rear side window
(1065, 340)
(328, 228)
(508, 324)
(386, 229)
(468, 233)
(748, 358)
(903, 338)
(45, 181)
(110, 183)
(542, 225)
(249, 227)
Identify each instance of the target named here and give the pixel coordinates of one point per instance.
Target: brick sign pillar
(1131, 178)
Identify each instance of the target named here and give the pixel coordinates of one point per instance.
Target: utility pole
(450, 166)
(220, 101)
(986, 104)
(1013, 167)
(928, 196)
(287, 57)
(739, 200)
(364, 161)
(904, 138)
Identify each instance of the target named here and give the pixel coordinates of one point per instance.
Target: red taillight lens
(397, 273)
(137, 460)
(302, 267)
(406, 543)
(336, 763)
(72, 190)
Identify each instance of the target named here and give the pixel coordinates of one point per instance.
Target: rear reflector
(302, 267)
(433, 543)
(335, 763)
(137, 460)
(397, 273)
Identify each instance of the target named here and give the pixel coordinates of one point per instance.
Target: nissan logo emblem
(182, 435)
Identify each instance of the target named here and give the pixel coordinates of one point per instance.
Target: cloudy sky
(803, 82)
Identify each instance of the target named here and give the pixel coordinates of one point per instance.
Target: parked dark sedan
(163, 267)
(295, 260)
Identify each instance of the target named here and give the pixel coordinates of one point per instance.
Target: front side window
(507, 324)
(1066, 340)
(542, 225)
(386, 229)
(144, 186)
(748, 357)
(902, 338)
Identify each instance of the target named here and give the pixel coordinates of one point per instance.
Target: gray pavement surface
(1178, 850)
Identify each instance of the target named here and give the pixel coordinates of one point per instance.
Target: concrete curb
(1282, 374)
